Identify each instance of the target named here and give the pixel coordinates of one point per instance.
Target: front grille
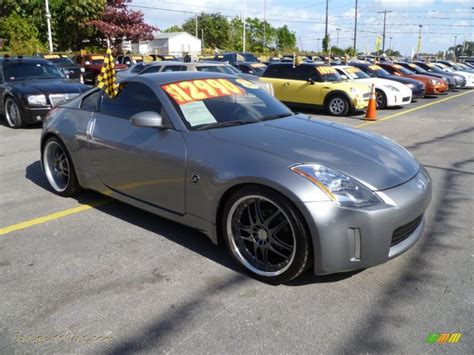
(403, 232)
(74, 73)
(56, 99)
(405, 99)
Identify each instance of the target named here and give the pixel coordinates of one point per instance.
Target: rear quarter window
(279, 71)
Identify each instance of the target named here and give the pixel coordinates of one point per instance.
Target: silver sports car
(284, 192)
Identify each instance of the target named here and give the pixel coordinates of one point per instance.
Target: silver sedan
(215, 152)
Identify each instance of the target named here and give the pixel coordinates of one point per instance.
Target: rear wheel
(338, 105)
(13, 114)
(59, 168)
(266, 235)
(380, 99)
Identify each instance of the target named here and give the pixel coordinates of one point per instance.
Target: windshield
(215, 69)
(30, 70)
(417, 68)
(96, 59)
(328, 73)
(249, 57)
(356, 73)
(60, 60)
(214, 103)
(379, 71)
(403, 70)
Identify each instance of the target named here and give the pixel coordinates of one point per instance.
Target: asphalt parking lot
(97, 276)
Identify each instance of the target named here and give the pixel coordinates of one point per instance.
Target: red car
(92, 64)
(434, 86)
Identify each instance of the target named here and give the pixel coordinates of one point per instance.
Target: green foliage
(285, 39)
(350, 51)
(20, 36)
(326, 43)
(337, 51)
(214, 27)
(392, 53)
(173, 28)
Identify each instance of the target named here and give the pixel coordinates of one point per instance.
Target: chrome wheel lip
(337, 106)
(235, 249)
(9, 106)
(53, 168)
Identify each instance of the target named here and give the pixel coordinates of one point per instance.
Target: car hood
(371, 159)
(405, 80)
(60, 86)
(421, 77)
(385, 82)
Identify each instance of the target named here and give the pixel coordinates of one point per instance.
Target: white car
(465, 74)
(388, 93)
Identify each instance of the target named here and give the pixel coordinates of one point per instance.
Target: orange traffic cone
(371, 113)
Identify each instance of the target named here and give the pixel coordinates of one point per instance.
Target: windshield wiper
(223, 124)
(272, 117)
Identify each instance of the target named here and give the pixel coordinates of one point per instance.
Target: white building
(172, 43)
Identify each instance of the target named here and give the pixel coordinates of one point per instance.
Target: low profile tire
(380, 99)
(59, 169)
(266, 235)
(338, 105)
(13, 114)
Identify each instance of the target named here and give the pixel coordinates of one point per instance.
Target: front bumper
(399, 99)
(347, 239)
(34, 115)
(417, 93)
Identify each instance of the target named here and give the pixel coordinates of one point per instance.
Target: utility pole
(355, 29)
(418, 47)
(318, 39)
(264, 25)
(454, 48)
(327, 13)
(48, 22)
(337, 41)
(196, 25)
(390, 46)
(245, 25)
(202, 38)
(384, 12)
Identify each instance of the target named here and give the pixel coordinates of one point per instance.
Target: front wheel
(380, 99)
(13, 114)
(266, 235)
(338, 105)
(59, 169)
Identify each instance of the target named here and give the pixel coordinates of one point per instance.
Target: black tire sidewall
(19, 122)
(73, 186)
(346, 101)
(384, 99)
(303, 254)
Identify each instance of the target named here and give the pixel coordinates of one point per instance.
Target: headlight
(82, 70)
(37, 100)
(434, 82)
(411, 86)
(392, 88)
(340, 188)
(354, 91)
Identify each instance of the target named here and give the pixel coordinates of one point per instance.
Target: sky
(442, 20)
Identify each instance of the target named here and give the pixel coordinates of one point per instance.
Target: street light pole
(337, 41)
(355, 27)
(418, 47)
(390, 46)
(264, 24)
(244, 23)
(454, 48)
(196, 25)
(48, 22)
(327, 13)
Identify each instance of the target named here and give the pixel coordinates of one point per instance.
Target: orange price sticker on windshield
(51, 56)
(374, 67)
(352, 70)
(97, 57)
(326, 70)
(412, 65)
(197, 90)
(397, 66)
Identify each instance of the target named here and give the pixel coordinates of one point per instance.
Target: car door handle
(326, 87)
(286, 84)
(90, 129)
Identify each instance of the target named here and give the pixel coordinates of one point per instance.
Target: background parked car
(388, 93)
(418, 70)
(375, 71)
(251, 68)
(459, 80)
(31, 87)
(92, 64)
(70, 69)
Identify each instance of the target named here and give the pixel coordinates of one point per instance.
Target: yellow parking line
(412, 110)
(52, 217)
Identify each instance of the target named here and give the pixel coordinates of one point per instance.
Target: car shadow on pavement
(417, 275)
(173, 231)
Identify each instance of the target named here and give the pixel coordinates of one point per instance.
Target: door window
(174, 68)
(279, 71)
(133, 98)
(90, 102)
(152, 69)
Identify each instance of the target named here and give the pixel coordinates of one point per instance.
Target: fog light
(354, 243)
(38, 118)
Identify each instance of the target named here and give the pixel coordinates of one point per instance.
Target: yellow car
(318, 86)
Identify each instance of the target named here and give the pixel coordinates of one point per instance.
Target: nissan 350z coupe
(218, 153)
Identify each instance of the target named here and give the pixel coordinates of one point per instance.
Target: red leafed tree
(118, 22)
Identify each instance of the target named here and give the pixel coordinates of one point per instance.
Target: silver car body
(156, 169)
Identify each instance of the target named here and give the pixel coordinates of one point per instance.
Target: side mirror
(87, 62)
(147, 119)
(311, 81)
(127, 62)
(343, 76)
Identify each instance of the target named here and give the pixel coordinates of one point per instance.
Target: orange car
(434, 86)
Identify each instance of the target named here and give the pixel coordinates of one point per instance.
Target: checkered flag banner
(107, 80)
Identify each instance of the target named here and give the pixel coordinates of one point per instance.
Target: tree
(350, 51)
(20, 36)
(326, 43)
(214, 27)
(119, 23)
(174, 28)
(286, 40)
(392, 53)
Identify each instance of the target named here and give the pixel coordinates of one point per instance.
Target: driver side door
(143, 163)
